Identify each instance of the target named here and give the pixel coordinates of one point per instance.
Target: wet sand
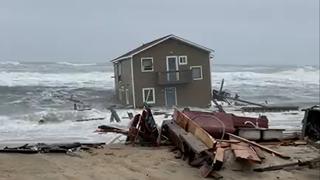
(135, 163)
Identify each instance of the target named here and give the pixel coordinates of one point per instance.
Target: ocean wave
(90, 79)
(75, 64)
(14, 63)
(299, 76)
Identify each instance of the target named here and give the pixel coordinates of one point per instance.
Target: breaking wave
(75, 64)
(303, 75)
(90, 79)
(15, 63)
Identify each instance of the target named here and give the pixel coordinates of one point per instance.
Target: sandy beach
(135, 163)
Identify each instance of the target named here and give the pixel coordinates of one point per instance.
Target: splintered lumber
(190, 126)
(260, 146)
(228, 141)
(259, 152)
(174, 132)
(90, 119)
(243, 151)
(219, 155)
(290, 164)
(106, 129)
(270, 108)
(22, 151)
(244, 101)
(196, 145)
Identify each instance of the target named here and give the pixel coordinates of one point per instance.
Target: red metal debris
(217, 123)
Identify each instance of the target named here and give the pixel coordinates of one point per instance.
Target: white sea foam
(297, 77)
(75, 64)
(21, 129)
(9, 63)
(90, 79)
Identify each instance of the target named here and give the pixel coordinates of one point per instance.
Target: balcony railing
(174, 77)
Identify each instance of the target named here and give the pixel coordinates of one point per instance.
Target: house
(165, 72)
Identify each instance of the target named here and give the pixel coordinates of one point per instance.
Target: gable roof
(155, 42)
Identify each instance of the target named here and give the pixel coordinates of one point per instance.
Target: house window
(196, 72)
(119, 71)
(183, 60)
(148, 95)
(147, 64)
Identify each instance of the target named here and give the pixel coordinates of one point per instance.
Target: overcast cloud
(241, 32)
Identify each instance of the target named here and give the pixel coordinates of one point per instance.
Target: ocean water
(33, 91)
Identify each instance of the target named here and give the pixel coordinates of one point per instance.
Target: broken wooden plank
(270, 109)
(90, 119)
(205, 170)
(174, 131)
(107, 128)
(228, 141)
(190, 126)
(195, 144)
(309, 163)
(275, 167)
(243, 151)
(219, 155)
(260, 146)
(259, 152)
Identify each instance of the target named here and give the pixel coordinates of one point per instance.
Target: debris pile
(255, 107)
(66, 148)
(203, 138)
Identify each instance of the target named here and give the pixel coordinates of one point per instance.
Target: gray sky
(241, 32)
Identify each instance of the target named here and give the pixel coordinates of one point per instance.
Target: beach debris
(108, 128)
(270, 108)
(260, 146)
(262, 134)
(203, 138)
(66, 148)
(219, 123)
(311, 123)
(143, 129)
(311, 163)
(257, 107)
(114, 115)
(90, 119)
(78, 104)
(24, 149)
(245, 151)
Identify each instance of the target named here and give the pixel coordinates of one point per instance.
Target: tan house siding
(196, 93)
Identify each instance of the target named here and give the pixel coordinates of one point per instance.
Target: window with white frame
(196, 72)
(183, 60)
(147, 64)
(148, 95)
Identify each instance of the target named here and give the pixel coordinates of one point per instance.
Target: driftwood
(270, 108)
(282, 166)
(260, 146)
(89, 119)
(42, 148)
(22, 151)
(114, 115)
(106, 129)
